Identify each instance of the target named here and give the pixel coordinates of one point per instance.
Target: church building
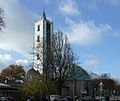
(43, 29)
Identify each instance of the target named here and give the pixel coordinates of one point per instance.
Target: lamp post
(101, 89)
(114, 94)
(94, 92)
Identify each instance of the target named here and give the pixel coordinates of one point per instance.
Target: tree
(109, 85)
(2, 23)
(57, 59)
(13, 73)
(62, 59)
(36, 87)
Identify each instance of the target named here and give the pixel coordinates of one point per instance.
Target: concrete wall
(74, 89)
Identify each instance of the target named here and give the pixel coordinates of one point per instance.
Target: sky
(92, 26)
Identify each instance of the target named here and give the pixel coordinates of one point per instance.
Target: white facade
(43, 29)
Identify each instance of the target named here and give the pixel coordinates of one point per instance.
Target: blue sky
(92, 26)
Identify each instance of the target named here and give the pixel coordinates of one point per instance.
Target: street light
(114, 94)
(101, 89)
(94, 92)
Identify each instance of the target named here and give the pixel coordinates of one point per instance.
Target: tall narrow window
(38, 28)
(48, 27)
(38, 38)
(37, 65)
(38, 57)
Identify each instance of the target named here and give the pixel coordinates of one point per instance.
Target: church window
(38, 57)
(48, 27)
(38, 38)
(38, 28)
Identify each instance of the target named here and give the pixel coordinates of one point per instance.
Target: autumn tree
(13, 73)
(2, 23)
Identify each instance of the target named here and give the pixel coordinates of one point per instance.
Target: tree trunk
(47, 87)
(60, 86)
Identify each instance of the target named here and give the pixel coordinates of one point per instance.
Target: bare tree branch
(2, 23)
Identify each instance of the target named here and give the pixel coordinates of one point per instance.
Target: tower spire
(43, 13)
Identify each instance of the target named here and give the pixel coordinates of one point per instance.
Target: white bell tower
(42, 39)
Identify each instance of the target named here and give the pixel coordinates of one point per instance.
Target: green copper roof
(78, 73)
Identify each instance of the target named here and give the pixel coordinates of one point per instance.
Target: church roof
(32, 71)
(79, 73)
(82, 74)
(43, 15)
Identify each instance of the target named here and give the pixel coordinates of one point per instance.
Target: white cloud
(91, 63)
(69, 7)
(19, 27)
(17, 36)
(22, 62)
(5, 58)
(86, 32)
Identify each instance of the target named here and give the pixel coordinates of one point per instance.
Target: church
(43, 30)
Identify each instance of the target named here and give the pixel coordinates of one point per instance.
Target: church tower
(42, 39)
